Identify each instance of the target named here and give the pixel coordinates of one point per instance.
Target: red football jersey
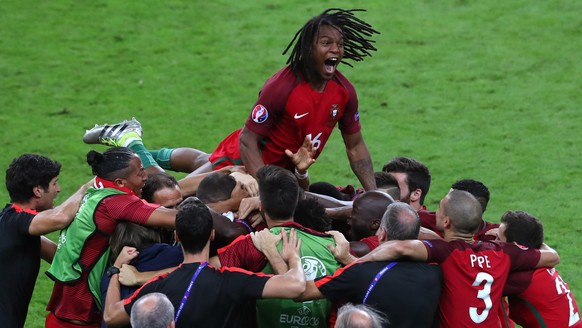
(287, 111)
(541, 298)
(474, 276)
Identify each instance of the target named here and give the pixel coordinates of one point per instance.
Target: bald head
(367, 213)
(373, 203)
(464, 210)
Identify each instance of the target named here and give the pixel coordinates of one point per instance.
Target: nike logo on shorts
(297, 116)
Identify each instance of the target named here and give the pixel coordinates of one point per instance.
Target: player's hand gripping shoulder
(292, 283)
(341, 249)
(266, 242)
(290, 252)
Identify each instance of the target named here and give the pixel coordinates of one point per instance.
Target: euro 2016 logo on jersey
(259, 114)
(313, 267)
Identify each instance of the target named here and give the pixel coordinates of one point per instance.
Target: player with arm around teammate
(474, 272)
(537, 298)
(204, 296)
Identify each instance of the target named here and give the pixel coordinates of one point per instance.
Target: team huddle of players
(260, 245)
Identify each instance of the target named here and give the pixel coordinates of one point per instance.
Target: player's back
(474, 276)
(317, 261)
(540, 298)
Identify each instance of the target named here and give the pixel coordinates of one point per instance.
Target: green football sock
(162, 157)
(146, 158)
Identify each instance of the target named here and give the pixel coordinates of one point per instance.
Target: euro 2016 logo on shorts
(259, 114)
(313, 267)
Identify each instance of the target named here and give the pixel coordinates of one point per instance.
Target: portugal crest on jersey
(333, 114)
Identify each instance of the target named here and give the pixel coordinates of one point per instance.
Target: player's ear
(37, 191)
(374, 225)
(382, 236)
(446, 222)
(415, 195)
(119, 182)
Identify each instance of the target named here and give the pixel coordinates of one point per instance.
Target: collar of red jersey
(102, 183)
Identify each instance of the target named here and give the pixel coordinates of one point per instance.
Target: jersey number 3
(484, 294)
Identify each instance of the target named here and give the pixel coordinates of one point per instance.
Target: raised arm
(59, 217)
(113, 311)
(303, 159)
(360, 159)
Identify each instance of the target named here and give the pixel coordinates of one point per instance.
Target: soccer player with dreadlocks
(300, 105)
(295, 114)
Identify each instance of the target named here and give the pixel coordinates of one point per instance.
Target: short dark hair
(215, 187)
(278, 191)
(464, 211)
(193, 225)
(523, 228)
(401, 222)
(155, 182)
(388, 183)
(28, 171)
(355, 31)
(385, 179)
(418, 175)
(112, 164)
(476, 188)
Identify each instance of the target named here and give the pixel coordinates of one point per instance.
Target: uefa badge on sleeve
(259, 114)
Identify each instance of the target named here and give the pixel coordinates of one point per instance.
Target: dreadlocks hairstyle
(356, 33)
